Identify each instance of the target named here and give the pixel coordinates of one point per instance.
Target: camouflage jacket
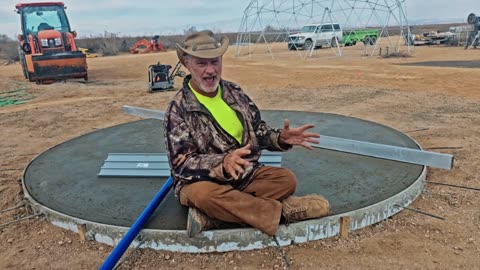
(196, 144)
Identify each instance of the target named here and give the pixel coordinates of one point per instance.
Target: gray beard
(204, 89)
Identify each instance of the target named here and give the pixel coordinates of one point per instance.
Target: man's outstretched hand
(298, 136)
(234, 164)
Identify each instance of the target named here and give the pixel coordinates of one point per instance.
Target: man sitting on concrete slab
(214, 136)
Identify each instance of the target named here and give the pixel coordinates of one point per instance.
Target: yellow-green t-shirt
(225, 116)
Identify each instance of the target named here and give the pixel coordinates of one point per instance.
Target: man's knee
(290, 181)
(198, 194)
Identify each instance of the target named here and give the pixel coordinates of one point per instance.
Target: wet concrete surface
(65, 179)
(455, 64)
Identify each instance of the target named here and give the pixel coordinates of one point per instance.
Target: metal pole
(281, 251)
(142, 112)
(390, 152)
(120, 249)
(420, 212)
(403, 154)
(119, 265)
(455, 186)
(10, 209)
(20, 219)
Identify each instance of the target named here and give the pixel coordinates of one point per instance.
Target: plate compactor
(160, 78)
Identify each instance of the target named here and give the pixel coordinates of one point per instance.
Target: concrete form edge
(237, 239)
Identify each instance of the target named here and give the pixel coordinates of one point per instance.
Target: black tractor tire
(291, 47)
(334, 42)
(308, 44)
(23, 62)
(367, 40)
(472, 19)
(373, 40)
(351, 43)
(24, 69)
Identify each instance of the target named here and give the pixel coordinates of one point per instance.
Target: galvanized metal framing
(156, 164)
(287, 16)
(142, 112)
(408, 155)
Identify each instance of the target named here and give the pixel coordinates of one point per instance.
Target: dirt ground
(437, 106)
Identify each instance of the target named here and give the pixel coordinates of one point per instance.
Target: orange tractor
(47, 47)
(145, 46)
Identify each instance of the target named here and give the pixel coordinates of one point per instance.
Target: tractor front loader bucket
(58, 66)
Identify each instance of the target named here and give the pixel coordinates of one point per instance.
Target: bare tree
(269, 29)
(190, 30)
(4, 39)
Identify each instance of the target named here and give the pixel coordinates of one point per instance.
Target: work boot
(197, 222)
(305, 207)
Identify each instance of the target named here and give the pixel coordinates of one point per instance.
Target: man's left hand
(298, 136)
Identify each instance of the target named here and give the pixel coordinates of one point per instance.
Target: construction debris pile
(465, 35)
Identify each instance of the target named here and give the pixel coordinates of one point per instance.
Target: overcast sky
(149, 17)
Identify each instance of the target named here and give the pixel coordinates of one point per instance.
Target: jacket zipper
(207, 112)
(210, 116)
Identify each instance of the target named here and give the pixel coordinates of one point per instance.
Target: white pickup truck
(316, 35)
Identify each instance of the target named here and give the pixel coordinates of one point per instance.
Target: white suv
(316, 35)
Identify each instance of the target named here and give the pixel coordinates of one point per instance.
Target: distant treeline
(113, 44)
(8, 48)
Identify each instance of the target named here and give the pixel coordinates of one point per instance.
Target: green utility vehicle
(367, 36)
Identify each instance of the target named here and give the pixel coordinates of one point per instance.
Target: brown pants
(258, 205)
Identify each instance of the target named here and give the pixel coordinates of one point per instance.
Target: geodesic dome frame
(272, 21)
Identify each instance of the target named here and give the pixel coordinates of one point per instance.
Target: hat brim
(213, 53)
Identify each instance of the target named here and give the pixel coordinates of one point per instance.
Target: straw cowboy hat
(203, 45)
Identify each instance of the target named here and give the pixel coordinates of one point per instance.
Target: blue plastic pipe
(118, 251)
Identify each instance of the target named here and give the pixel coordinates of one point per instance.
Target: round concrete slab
(63, 183)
